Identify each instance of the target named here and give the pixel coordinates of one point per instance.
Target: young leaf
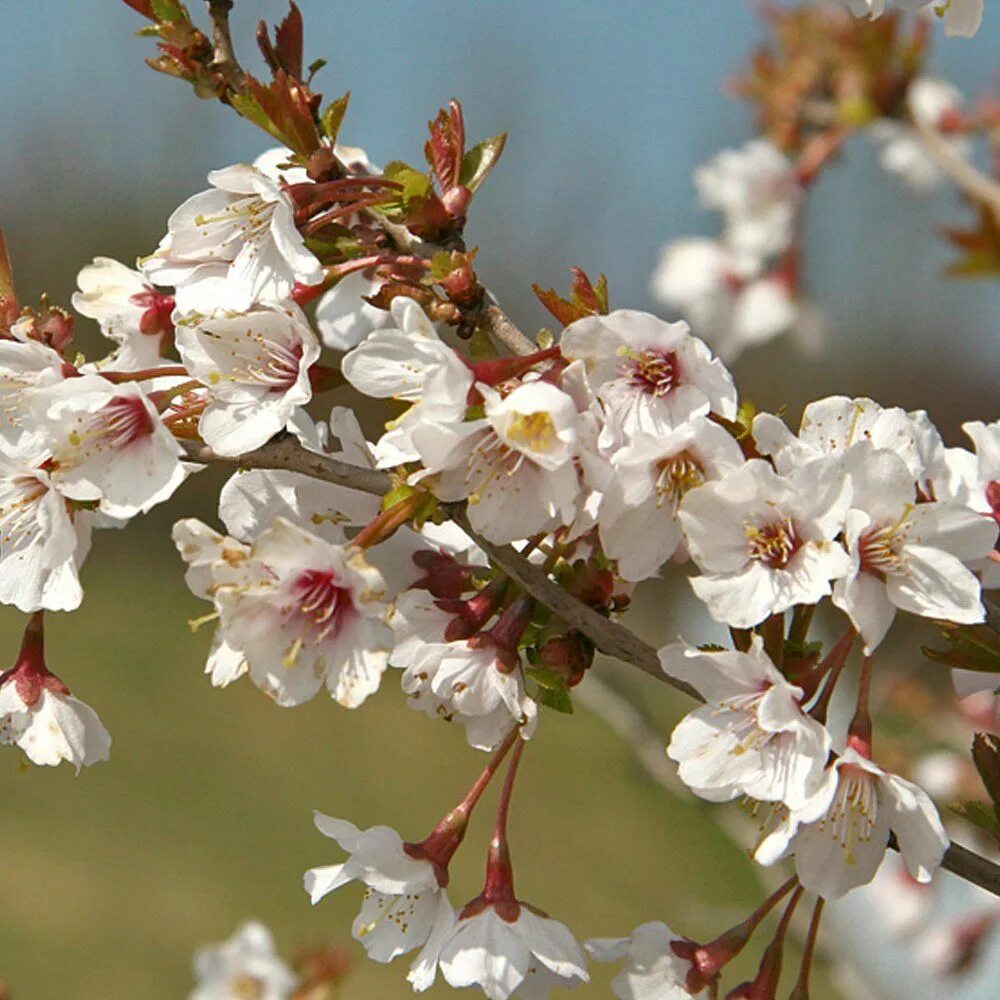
(986, 757)
(169, 11)
(978, 814)
(970, 647)
(480, 160)
(333, 115)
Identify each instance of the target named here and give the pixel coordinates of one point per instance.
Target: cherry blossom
(109, 445)
(907, 555)
(752, 736)
(765, 542)
(471, 681)
(404, 900)
(255, 367)
(43, 539)
(246, 965)
(651, 376)
(41, 717)
(839, 837)
(651, 969)
(515, 465)
(903, 151)
(638, 517)
(729, 305)
(758, 192)
(130, 310)
(26, 365)
(409, 362)
(301, 612)
(506, 949)
(344, 318)
(233, 245)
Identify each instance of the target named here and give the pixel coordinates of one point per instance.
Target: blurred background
(203, 816)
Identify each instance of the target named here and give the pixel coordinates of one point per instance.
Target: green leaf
(986, 757)
(978, 814)
(169, 10)
(970, 647)
(415, 184)
(556, 698)
(480, 160)
(333, 114)
(546, 677)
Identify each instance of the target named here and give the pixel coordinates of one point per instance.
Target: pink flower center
(993, 498)
(322, 602)
(279, 368)
(122, 421)
(773, 544)
(878, 550)
(655, 373)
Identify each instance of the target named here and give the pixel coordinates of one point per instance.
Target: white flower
(516, 952)
(130, 310)
(255, 366)
(831, 427)
(108, 444)
(961, 17)
(39, 715)
(651, 970)
(757, 190)
(409, 362)
(245, 966)
(344, 318)
(301, 611)
(43, 540)
(752, 736)
(840, 836)
(729, 306)
(468, 682)
(983, 483)
(765, 542)
(907, 555)
(638, 520)
(54, 728)
(404, 898)
(903, 151)
(233, 245)
(651, 376)
(25, 366)
(516, 465)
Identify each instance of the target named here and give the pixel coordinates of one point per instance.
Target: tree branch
(973, 182)
(609, 637)
(224, 60)
(499, 326)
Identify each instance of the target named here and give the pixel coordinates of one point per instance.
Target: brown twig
(499, 326)
(224, 60)
(973, 182)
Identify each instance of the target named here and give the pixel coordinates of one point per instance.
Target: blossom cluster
(607, 455)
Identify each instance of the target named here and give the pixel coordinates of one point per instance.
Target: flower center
(321, 602)
(655, 373)
(532, 431)
(993, 498)
(879, 549)
(676, 476)
(773, 544)
(123, 421)
(854, 810)
(19, 499)
(247, 987)
(245, 221)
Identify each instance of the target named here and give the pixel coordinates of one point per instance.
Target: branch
(609, 637)
(224, 60)
(499, 326)
(973, 182)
